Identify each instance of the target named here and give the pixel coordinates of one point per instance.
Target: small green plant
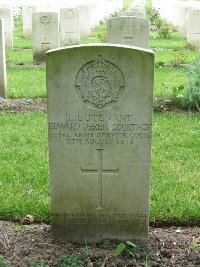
(189, 46)
(113, 15)
(176, 94)
(4, 263)
(165, 31)
(41, 264)
(103, 37)
(180, 57)
(106, 244)
(73, 261)
(130, 249)
(195, 245)
(160, 64)
(154, 16)
(191, 98)
(125, 248)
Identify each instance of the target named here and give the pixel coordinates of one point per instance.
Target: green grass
(175, 42)
(174, 56)
(175, 170)
(24, 185)
(19, 40)
(28, 82)
(98, 35)
(19, 56)
(166, 78)
(22, 42)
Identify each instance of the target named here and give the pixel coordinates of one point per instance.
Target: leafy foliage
(4, 263)
(165, 31)
(180, 57)
(154, 16)
(126, 248)
(41, 264)
(73, 261)
(192, 88)
(106, 244)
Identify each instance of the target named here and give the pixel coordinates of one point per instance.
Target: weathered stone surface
(100, 115)
(131, 13)
(3, 80)
(138, 9)
(45, 33)
(27, 12)
(193, 27)
(128, 30)
(69, 26)
(6, 15)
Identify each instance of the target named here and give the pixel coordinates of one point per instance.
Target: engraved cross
(45, 45)
(69, 34)
(100, 171)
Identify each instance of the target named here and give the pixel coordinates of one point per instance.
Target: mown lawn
(24, 185)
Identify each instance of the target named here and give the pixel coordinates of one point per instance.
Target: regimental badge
(45, 20)
(100, 83)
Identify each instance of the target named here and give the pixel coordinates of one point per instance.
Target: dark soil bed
(40, 104)
(23, 244)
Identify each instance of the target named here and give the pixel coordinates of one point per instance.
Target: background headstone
(3, 79)
(6, 15)
(69, 26)
(45, 33)
(27, 12)
(131, 13)
(100, 115)
(193, 26)
(128, 30)
(138, 9)
(85, 20)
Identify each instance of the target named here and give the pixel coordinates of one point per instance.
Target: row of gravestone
(124, 29)
(130, 27)
(184, 15)
(90, 14)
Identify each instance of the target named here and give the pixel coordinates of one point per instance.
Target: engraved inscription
(97, 129)
(45, 45)
(69, 14)
(100, 171)
(45, 20)
(99, 84)
(103, 218)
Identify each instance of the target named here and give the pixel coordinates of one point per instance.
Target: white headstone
(193, 26)
(138, 9)
(6, 15)
(100, 116)
(69, 26)
(3, 80)
(27, 12)
(128, 30)
(182, 23)
(85, 20)
(45, 33)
